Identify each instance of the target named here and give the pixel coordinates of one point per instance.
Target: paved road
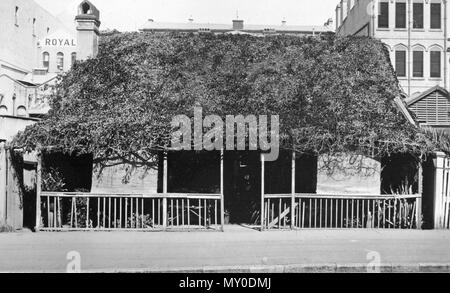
(107, 251)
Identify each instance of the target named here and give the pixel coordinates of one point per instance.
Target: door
(242, 187)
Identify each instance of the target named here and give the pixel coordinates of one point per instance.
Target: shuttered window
(383, 16)
(418, 64)
(433, 109)
(400, 63)
(400, 15)
(418, 15)
(435, 15)
(435, 64)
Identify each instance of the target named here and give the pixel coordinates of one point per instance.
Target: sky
(129, 15)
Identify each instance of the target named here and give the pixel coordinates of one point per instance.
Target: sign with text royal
(59, 39)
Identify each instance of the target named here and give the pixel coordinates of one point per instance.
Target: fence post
(3, 172)
(165, 178)
(222, 192)
(38, 190)
(293, 191)
(419, 200)
(439, 165)
(262, 194)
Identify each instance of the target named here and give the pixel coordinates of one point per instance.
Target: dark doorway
(242, 178)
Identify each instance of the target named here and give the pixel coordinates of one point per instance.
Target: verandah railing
(139, 212)
(154, 212)
(314, 211)
(338, 211)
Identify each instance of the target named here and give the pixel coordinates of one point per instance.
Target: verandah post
(293, 191)
(38, 190)
(439, 165)
(419, 200)
(262, 194)
(222, 193)
(165, 178)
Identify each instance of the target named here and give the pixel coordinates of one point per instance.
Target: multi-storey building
(416, 35)
(35, 47)
(236, 27)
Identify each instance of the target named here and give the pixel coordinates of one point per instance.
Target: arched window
(22, 111)
(60, 61)
(418, 58)
(435, 62)
(400, 60)
(3, 110)
(46, 60)
(74, 58)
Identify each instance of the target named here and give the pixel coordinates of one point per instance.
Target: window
(435, 64)
(16, 16)
(74, 58)
(383, 16)
(46, 60)
(418, 15)
(22, 111)
(86, 8)
(60, 61)
(400, 63)
(3, 110)
(435, 16)
(418, 64)
(400, 15)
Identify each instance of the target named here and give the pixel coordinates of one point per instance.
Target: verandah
(167, 211)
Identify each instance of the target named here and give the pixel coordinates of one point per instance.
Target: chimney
(238, 25)
(88, 24)
(343, 10)
(338, 17)
(350, 4)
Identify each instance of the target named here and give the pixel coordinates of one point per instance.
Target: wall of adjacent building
(357, 20)
(19, 52)
(362, 19)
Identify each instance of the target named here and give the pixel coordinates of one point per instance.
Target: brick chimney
(88, 24)
(238, 24)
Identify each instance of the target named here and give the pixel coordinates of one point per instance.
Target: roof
(86, 8)
(414, 99)
(401, 105)
(193, 26)
(20, 82)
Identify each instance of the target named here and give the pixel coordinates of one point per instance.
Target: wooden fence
(65, 211)
(314, 211)
(338, 211)
(442, 192)
(153, 212)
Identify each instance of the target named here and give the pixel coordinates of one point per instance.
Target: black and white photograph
(224, 142)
